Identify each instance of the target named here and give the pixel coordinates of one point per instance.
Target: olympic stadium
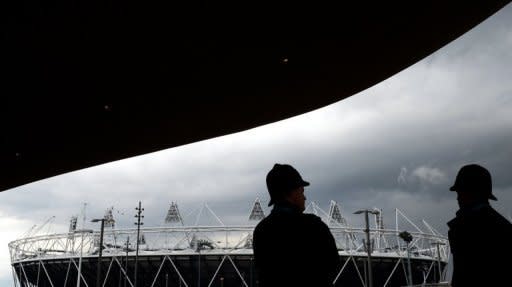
(189, 254)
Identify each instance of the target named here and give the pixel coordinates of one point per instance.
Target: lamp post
(98, 271)
(368, 242)
(407, 237)
(438, 257)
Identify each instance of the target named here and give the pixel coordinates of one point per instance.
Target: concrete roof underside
(89, 82)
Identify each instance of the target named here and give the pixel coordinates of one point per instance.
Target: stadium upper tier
(177, 238)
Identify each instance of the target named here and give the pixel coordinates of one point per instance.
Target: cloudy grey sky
(398, 144)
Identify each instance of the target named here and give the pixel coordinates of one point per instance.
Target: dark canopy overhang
(88, 82)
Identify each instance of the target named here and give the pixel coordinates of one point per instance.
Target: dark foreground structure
(221, 255)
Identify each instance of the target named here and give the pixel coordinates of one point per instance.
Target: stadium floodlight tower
(257, 213)
(368, 242)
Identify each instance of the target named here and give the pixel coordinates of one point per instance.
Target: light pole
(407, 237)
(438, 257)
(98, 271)
(138, 223)
(368, 242)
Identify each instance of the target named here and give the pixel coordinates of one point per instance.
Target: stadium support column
(126, 259)
(368, 243)
(138, 223)
(82, 231)
(439, 259)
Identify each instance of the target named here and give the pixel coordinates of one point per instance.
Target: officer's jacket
(481, 244)
(294, 249)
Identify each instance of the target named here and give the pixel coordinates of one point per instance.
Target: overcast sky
(398, 144)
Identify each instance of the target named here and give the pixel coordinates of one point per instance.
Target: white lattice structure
(214, 255)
